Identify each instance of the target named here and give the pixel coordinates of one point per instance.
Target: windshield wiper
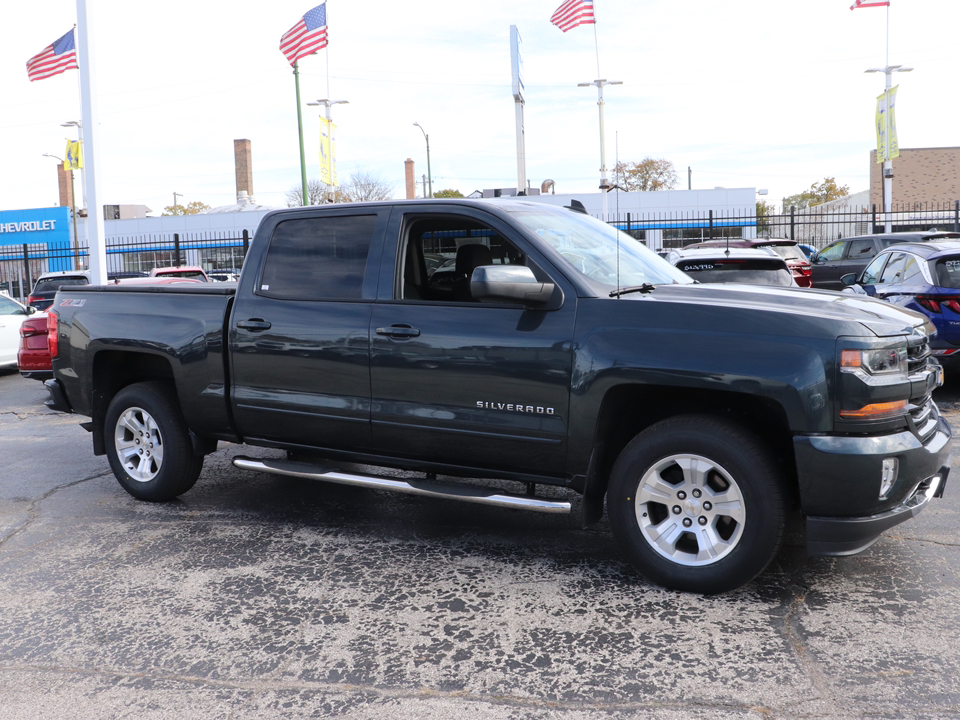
(645, 288)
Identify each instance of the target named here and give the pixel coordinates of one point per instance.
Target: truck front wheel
(697, 504)
(148, 443)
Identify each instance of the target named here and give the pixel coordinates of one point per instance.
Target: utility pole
(175, 196)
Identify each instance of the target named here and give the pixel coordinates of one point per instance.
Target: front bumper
(839, 480)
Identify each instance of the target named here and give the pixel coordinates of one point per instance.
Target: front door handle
(399, 331)
(254, 324)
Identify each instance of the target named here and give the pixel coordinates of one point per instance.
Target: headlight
(880, 361)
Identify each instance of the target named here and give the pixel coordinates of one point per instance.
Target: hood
(878, 317)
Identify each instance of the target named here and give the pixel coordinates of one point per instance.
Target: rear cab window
(318, 258)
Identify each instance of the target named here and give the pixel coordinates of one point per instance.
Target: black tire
(697, 502)
(148, 444)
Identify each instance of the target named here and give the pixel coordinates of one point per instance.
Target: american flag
(573, 13)
(307, 36)
(53, 59)
(869, 3)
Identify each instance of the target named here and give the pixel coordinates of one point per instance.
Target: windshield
(599, 251)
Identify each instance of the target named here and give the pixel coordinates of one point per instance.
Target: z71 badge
(515, 407)
(72, 303)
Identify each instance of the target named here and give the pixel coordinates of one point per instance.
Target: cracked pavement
(257, 597)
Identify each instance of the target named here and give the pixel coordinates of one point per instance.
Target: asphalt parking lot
(258, 597)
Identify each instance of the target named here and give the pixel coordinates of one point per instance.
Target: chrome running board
(430, 488)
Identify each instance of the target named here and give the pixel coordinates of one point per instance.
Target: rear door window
(860, 249)
(948, 272)
(318, 258)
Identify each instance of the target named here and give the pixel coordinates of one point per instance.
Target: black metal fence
(816, 226)
(21, 265)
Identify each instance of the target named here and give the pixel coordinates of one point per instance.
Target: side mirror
(30, 310)
(849, 279)
(510, 283)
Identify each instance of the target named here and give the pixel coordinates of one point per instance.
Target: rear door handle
(399, 331)
(254, 324)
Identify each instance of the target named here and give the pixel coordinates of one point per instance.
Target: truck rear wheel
(697, 504)
(148, 444)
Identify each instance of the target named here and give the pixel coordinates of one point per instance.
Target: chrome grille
(917, 354)
(924, 418)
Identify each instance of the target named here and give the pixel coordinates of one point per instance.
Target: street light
(427, 138)
(73, 210)
(887, 160)
(328, 104)
(604, 186)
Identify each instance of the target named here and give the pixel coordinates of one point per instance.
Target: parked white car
(12, 315)
(751, 266)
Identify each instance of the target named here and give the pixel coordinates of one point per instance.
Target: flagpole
(303, 159)
(88, 97)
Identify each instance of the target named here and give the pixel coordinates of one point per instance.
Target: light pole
(887, 160)
(603, 151)
(429, 175)
(73, 202)
(328, 104)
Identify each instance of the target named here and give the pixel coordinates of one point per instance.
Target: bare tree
(364, 186)
(316, 193)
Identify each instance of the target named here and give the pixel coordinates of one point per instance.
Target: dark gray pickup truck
(530, 343)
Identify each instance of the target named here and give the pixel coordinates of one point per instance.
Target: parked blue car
(920, 276)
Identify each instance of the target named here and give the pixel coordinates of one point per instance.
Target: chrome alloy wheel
(138, 444)
(690, 510)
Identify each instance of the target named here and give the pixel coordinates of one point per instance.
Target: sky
(746, 93)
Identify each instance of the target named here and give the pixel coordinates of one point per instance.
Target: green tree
(193, 208)
(817, 194)
(448, 194)
(647, 175)
(764, 211)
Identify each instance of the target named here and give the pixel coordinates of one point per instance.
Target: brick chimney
(243, 162)
(64, 178)
(411, 180)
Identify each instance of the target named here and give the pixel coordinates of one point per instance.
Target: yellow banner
(888, 147)
(335, 181)
(328, 153)
(324, 151)
(74, 155)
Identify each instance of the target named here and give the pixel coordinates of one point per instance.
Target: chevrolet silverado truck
(512, 340)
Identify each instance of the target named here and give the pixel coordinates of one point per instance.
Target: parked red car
(797, 261)
(33, 357)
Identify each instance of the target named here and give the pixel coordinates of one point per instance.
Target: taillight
(53, 334)
(935, 303)
(33, 299)
(33, 327)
